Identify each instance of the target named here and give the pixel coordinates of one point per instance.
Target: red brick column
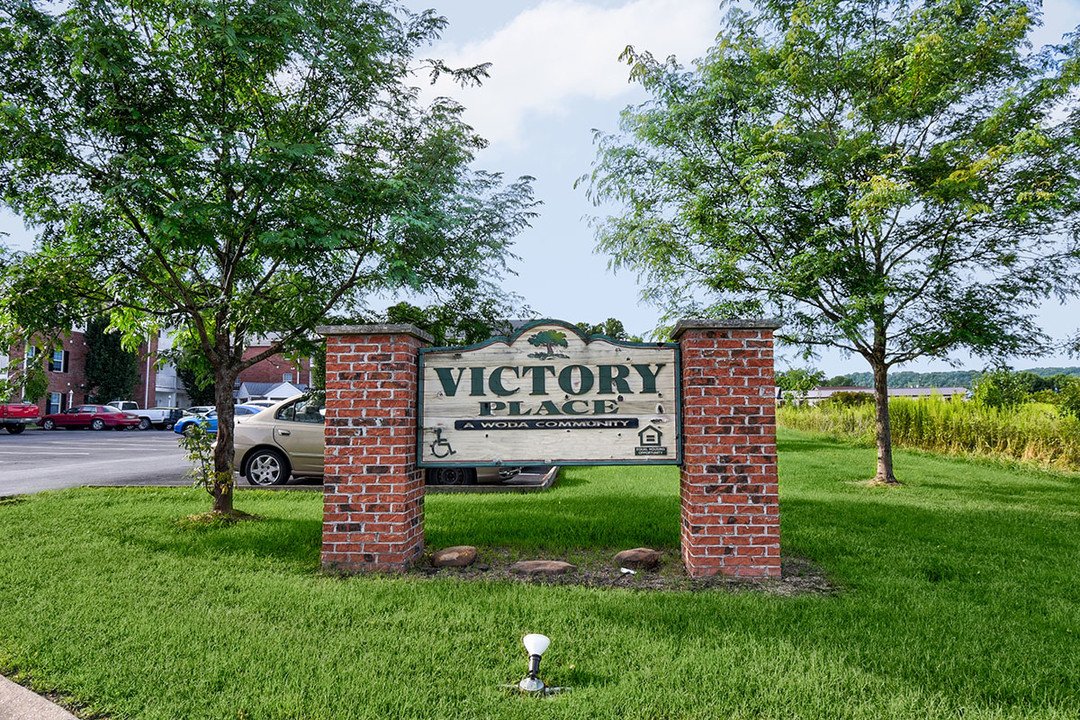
(730, 515)
(373, 502)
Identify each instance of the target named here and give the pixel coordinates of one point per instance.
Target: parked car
(208, 420)
(14, 417)
(198, 409)
(162, 418)
(289, 439)
(95, 417)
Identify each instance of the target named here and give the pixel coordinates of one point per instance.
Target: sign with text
(550, 395)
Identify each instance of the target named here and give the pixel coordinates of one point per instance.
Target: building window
(56, 403)
(286, 377)
(59, 362)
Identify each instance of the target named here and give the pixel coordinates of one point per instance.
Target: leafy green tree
(886, 177)
(111, 370)
(1001, 388)
(840, 381)
(796, 383)
(1069, 397)
(459, 321)
(198, 385)
(612, 328)
(237, 169)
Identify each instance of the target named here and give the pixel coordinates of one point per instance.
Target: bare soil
(799, 576)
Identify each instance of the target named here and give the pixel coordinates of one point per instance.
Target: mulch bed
(799, 576)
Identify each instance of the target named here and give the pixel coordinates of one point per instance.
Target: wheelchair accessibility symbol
(441, 448)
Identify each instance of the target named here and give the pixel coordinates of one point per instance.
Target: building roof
(270, 391)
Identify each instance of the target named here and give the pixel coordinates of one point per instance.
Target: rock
(638, 559)
(457, 556)
(541, 567)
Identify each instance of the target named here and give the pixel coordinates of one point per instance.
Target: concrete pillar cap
(687, 324)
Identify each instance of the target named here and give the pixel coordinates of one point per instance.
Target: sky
(555, 77)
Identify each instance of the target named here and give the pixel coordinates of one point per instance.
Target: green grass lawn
(959, 596)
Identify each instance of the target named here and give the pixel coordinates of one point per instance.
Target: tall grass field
(954, 596)
(1032, 432)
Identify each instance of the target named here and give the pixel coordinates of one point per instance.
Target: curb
(18, 703)
(504, 487)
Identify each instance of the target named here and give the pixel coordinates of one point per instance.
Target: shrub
(850, 399)
(1001, 388)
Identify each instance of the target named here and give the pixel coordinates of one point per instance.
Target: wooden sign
(550, 395)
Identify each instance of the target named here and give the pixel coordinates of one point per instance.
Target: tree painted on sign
(548, 339)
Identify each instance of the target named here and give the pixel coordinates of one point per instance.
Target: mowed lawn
(958, 596)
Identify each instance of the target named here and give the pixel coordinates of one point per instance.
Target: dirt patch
(799, 576)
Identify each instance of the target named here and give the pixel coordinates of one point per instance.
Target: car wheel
(455, 476)
(267, 467)
(166, 426)
(48, 424)
(14, 429)
(144, 423)
(188, 430)
(97, 424)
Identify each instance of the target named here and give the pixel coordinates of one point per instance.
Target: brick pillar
(373, 502)
(728, 488)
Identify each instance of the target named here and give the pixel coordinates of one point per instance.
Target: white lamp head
(535, 644)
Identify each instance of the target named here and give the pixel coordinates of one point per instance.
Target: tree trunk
(224, 377)
(882, 428)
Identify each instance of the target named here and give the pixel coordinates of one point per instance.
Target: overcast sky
(555, 77)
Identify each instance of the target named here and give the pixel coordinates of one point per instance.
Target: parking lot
(39, 460)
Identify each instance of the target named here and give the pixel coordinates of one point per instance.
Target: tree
(198, 385)
(796, 383)
(1003, 388)
(887, 177)
(840, 381)
(111, 370)
(612, 328)
(236, 170)
(458, 321)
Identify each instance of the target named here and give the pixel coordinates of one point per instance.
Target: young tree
(887, 177)
(612, 327)
(235, 169)
(200, 389)
(111, 370)
(797, 383)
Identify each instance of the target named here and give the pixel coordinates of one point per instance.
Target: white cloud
(566, 51)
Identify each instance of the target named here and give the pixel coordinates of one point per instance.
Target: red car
(95, 417)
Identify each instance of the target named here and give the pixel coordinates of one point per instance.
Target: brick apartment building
(65, 370)
(161, 387)
(276, 369)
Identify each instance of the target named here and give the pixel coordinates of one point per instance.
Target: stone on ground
(457, 556)
(541, 567)
(638, 559)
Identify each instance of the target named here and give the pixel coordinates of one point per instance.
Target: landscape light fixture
(535, 645)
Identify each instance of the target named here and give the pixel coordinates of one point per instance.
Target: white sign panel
(550, 395)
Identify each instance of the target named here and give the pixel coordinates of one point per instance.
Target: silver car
(288, 439)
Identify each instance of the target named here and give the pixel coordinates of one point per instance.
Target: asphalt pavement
(38, 460)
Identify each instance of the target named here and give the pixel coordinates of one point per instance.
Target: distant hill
(951, 378)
